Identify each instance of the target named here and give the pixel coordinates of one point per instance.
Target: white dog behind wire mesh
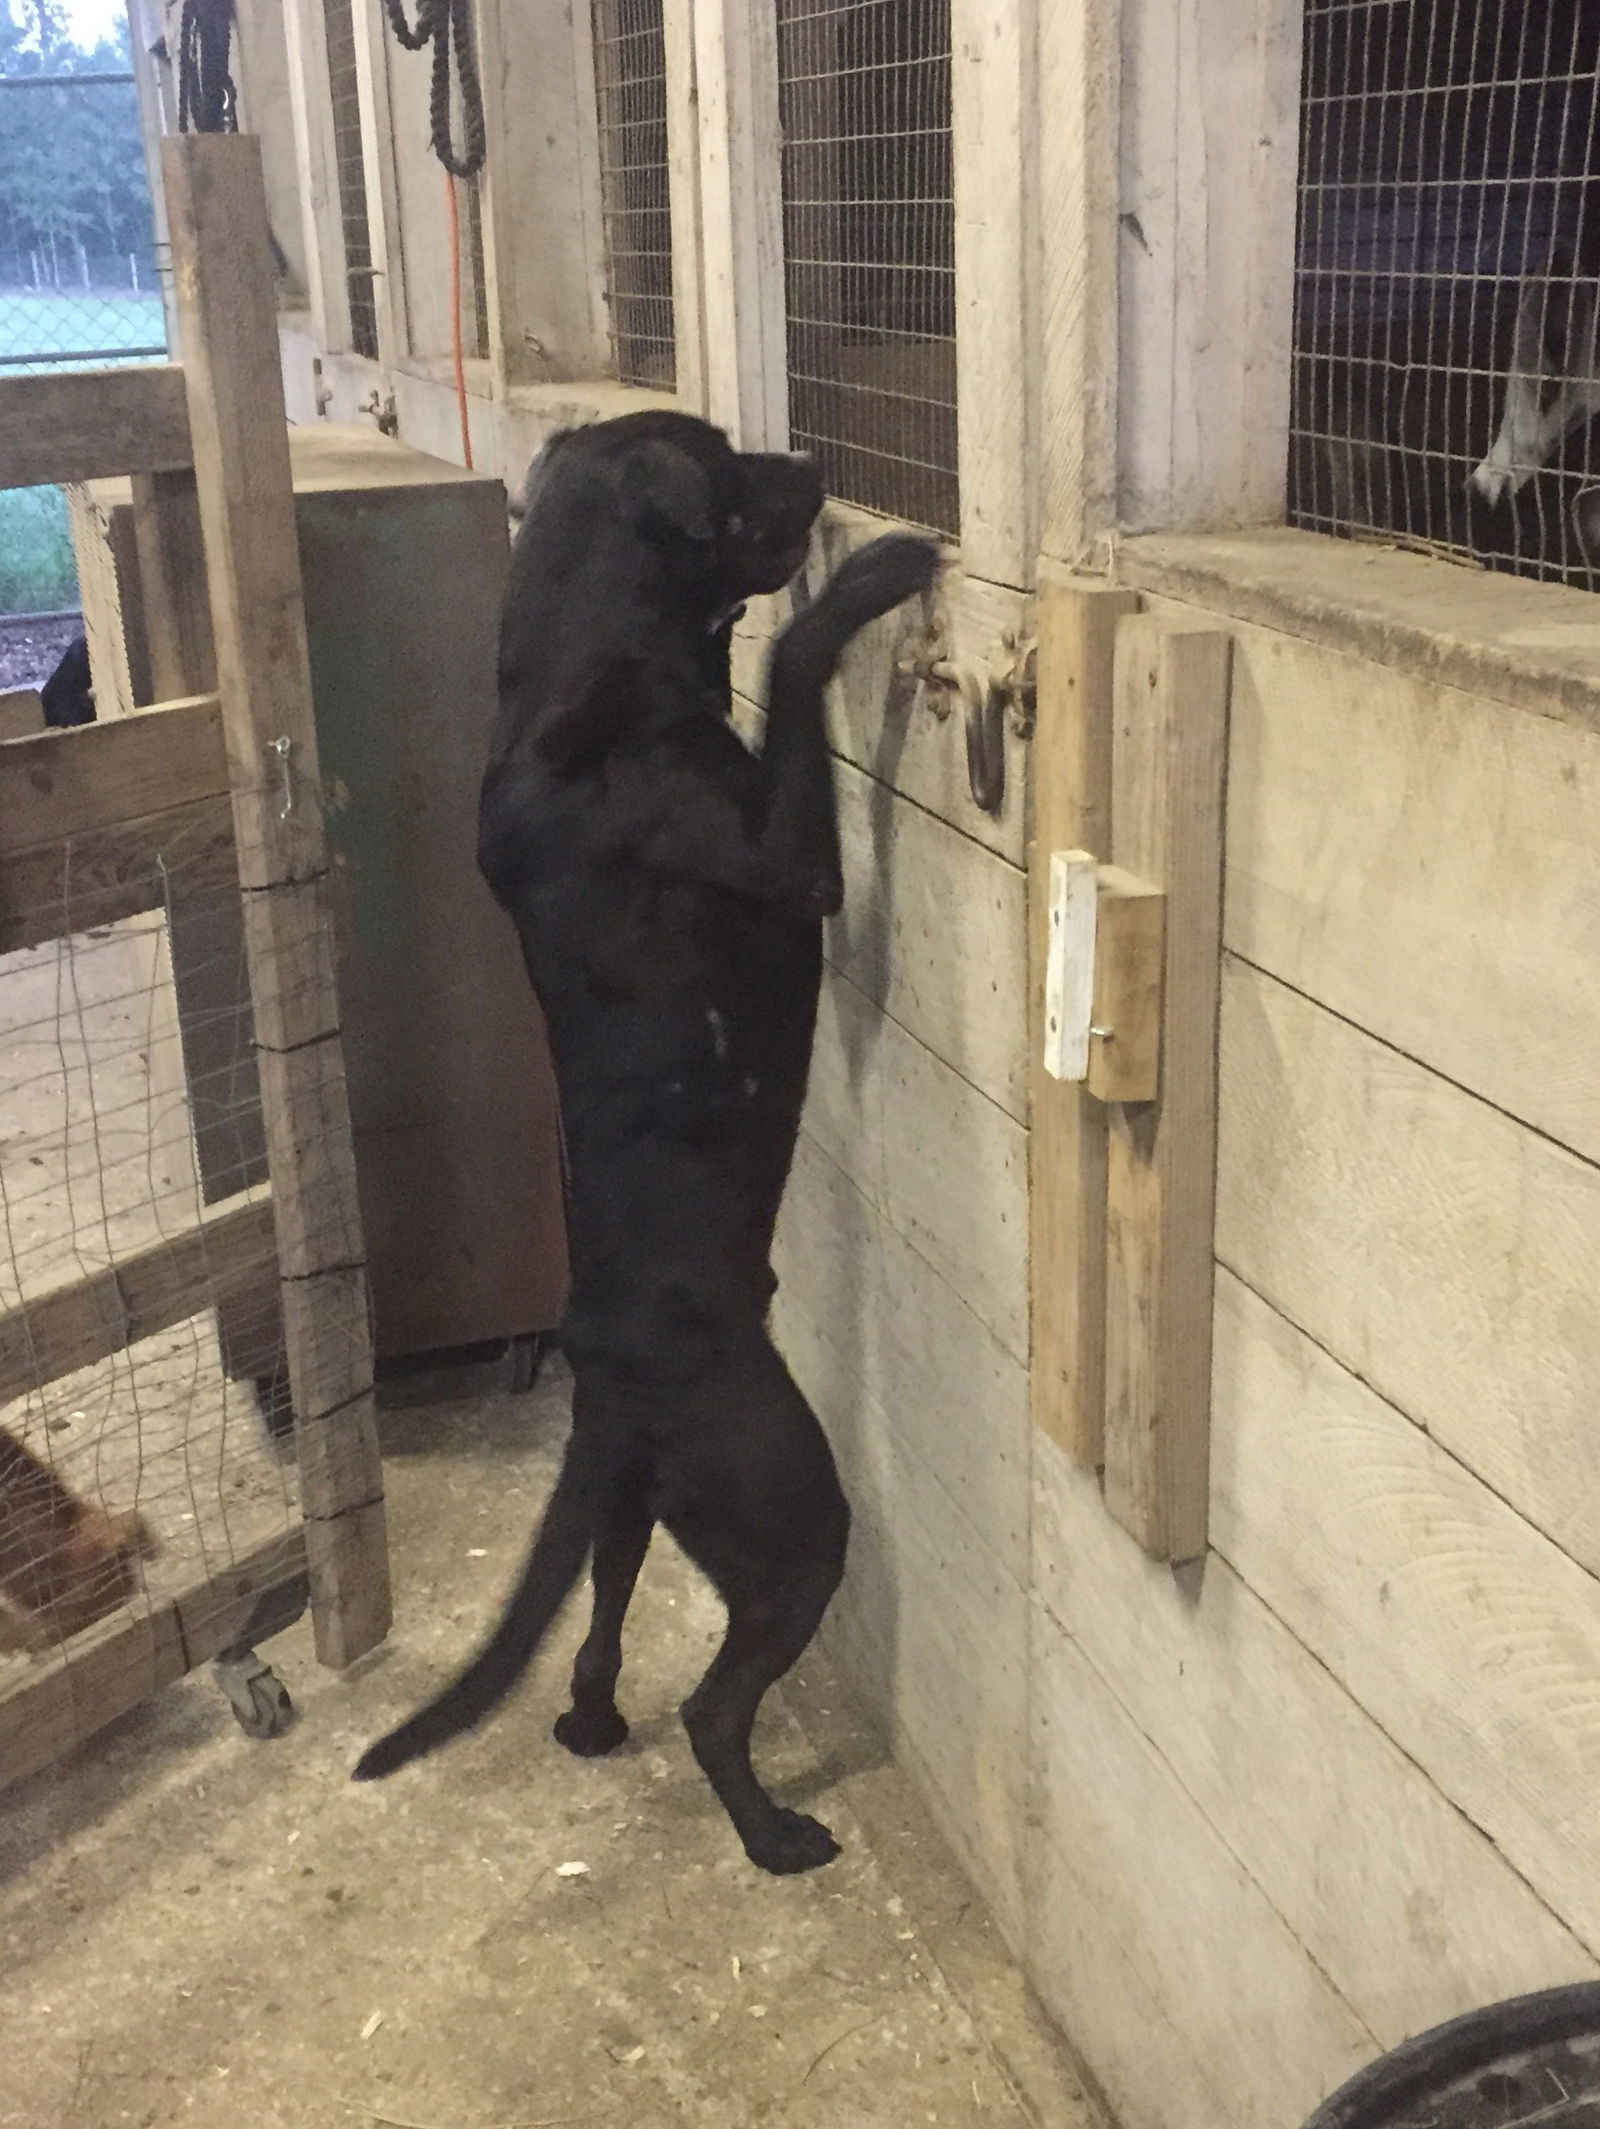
(1553, 383)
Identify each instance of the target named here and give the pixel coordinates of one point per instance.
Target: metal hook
(283, 747)
(985, 706)
(986, 741)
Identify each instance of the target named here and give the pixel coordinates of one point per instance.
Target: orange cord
(455, 319)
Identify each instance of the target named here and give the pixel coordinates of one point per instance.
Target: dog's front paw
(789, 1842)
(883, 574)
(591, 1736)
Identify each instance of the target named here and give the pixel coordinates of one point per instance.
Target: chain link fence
(80, 287)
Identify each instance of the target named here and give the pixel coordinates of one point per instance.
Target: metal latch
(991, 697)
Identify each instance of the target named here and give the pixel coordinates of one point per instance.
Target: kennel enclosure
(103, 828)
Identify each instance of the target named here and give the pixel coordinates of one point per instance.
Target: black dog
(669, 888)
(67, 696)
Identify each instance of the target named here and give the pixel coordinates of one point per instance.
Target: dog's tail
(554, 1564)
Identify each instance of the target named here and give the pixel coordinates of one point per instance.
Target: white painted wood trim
(1069, 963)
(312, 100)
(994, 120)
(741, 205)
(1208, 165)
(683, 181)
(1079, 121)
(373, 43)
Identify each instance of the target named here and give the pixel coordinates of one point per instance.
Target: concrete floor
(200, 1930)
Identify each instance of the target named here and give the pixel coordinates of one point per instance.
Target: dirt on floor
(196, 1929)
(31, 647)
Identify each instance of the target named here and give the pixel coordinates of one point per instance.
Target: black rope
(447, 26)
(207, 99)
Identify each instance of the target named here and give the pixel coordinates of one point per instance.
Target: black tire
(1530, 2057)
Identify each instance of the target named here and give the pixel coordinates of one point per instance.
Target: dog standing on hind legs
(669, 889)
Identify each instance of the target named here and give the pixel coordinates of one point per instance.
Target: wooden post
(206, 934)
(1168, 770)
(741, 208)
(216, 206)
(1067, 1145)
(683, 192)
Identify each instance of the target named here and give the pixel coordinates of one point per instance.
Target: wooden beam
(172, 583)
(216, 208)
(206, 938)
(83, 425)
(113, 1667)
(1079, 235)
(683, 196)
(1208, 127)
(741, 207)
(1067, 1145)
(58, 890)
(87, 1316)
(1125, 1034)
(21, 713)
(994, 96)
(1168, 772)
(94, 777)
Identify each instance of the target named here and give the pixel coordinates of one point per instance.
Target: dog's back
(680, 1010)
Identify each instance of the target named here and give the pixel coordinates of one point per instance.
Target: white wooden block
(1069, 964)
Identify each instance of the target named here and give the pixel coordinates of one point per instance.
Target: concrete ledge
(1533, 645)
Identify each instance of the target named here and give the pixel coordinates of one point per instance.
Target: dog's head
(725, 524)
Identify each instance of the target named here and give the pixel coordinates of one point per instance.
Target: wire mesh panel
(352, 166)
(869, 244)
(139, 1485)
(631, 85)
(1446, 368)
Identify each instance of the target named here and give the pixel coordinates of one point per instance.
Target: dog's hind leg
(593, 1724)
(769, 1628)
(757, 1505)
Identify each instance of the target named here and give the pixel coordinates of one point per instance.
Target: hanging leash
(447, 26)
(208, 102)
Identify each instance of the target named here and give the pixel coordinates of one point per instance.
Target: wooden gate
(107, 832)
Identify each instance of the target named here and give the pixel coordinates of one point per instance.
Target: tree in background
(74, 189)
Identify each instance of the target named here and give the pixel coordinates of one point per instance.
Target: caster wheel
(271, 1709)
(527, 1355)
(258, 1697)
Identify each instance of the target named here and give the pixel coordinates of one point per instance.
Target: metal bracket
(984, 697)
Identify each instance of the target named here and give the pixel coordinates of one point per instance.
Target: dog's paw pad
(889, 570)
(591, 1736)
(792, 1842)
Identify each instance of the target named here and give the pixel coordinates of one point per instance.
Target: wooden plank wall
(903, 1302)
(1336, 1783)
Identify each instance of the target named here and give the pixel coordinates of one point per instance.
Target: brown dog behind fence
(64, 1563)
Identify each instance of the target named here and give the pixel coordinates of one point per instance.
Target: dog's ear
(666, 495)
